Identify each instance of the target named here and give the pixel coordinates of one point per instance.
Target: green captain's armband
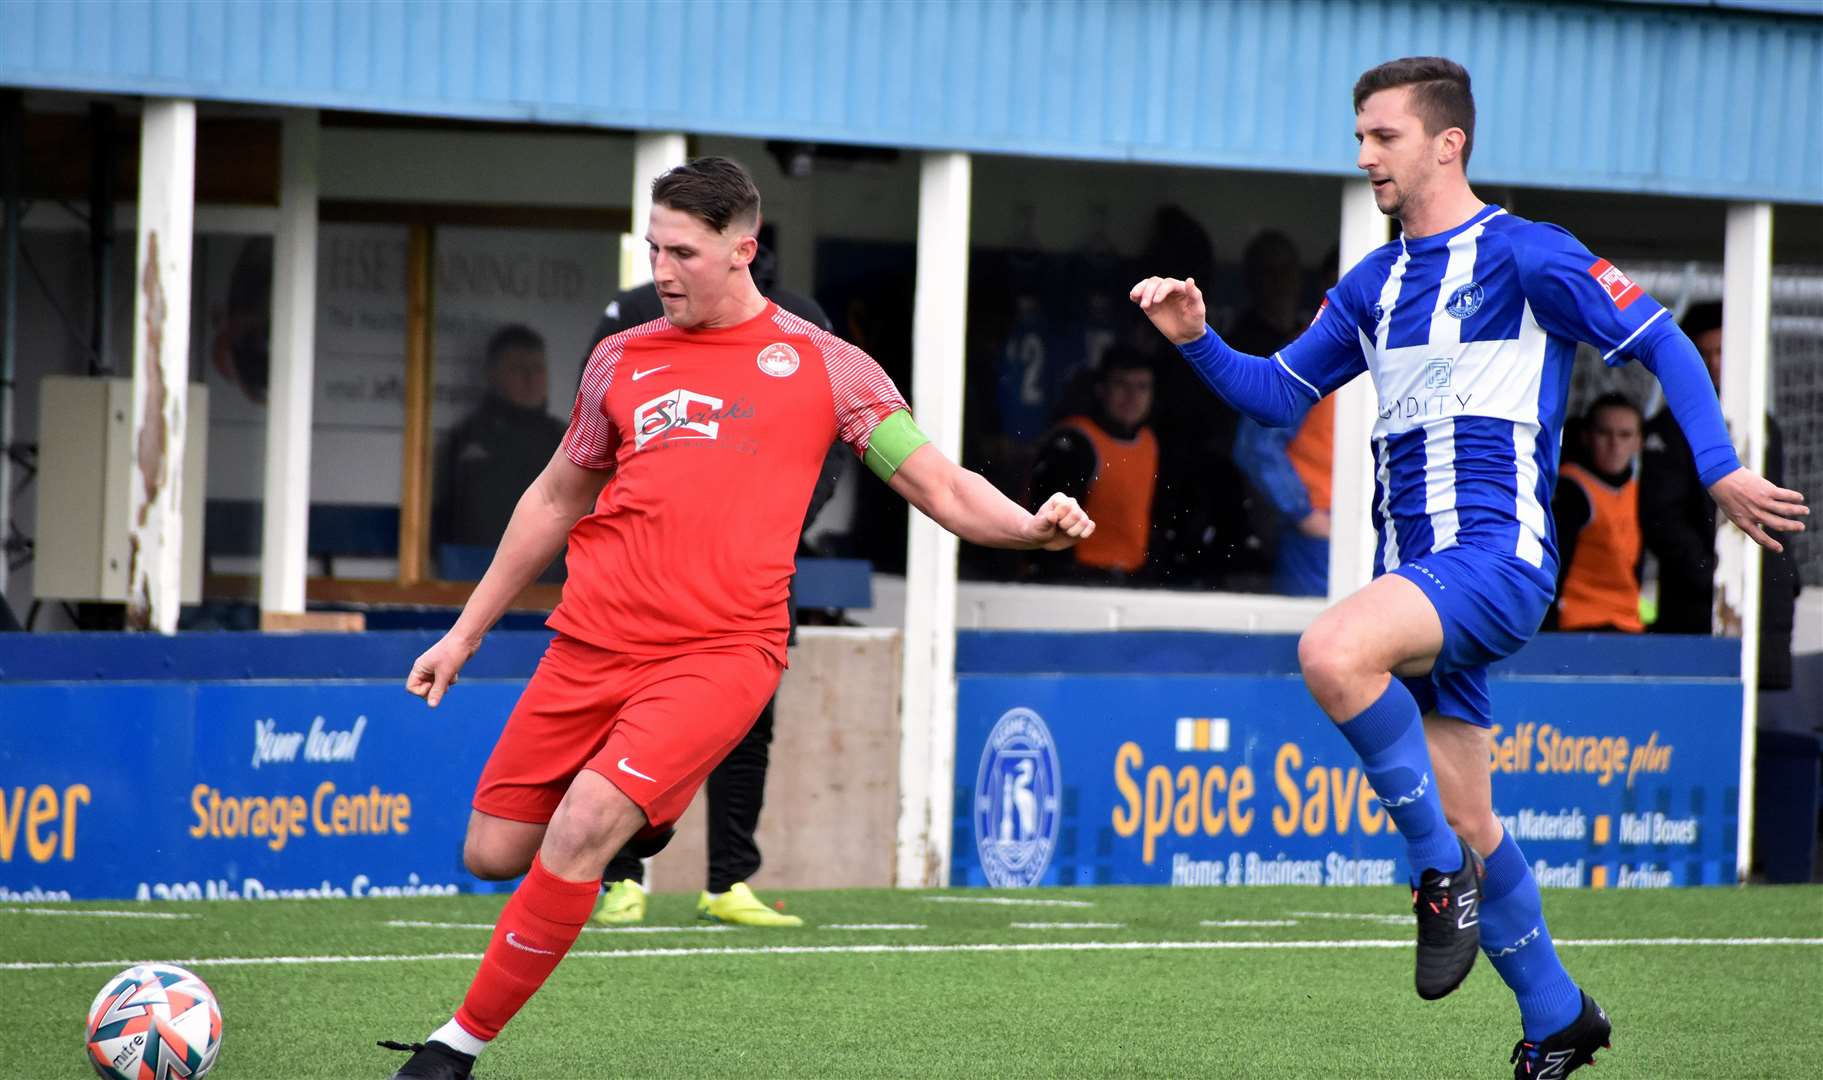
(891, 443)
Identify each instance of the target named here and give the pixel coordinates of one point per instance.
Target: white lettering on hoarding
(320, 744)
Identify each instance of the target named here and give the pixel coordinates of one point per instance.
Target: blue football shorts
(1490, 604)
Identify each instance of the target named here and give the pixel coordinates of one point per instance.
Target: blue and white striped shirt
(1470, 336)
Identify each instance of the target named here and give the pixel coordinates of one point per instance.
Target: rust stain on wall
(149, 452)
(152, 434)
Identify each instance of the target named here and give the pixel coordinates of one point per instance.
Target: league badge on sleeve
(1620, 288)
(1018, 800)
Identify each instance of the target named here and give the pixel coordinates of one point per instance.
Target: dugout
(377, 132)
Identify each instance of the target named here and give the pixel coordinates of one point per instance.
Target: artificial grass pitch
(1092, 983)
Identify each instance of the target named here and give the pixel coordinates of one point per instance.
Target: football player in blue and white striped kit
(1468, 324)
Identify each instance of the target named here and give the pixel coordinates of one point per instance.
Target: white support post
(1351, 529)
(927, 754)
(284, 532)
(161, 363)
(653, 153)
(1746, 352)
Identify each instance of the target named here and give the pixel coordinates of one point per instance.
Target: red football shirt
(716, 438)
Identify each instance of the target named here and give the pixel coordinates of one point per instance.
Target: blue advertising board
(1241, 780)
(239, 790)
(240, 766)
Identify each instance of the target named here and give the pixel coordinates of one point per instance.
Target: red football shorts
(654, 726)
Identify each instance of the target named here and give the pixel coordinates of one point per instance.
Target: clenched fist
(1059, 524)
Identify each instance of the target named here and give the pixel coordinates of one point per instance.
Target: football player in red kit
(680, 489)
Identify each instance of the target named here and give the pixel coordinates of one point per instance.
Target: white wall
(448, 166)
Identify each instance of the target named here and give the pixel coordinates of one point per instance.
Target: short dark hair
(1122, 358)
(1265, 243)
(1701, 318)
(714, 190)
(512, 336)
(1440, 93)
(1613, 399)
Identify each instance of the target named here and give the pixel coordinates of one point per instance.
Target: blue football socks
(1514, 936)
(1389, 736)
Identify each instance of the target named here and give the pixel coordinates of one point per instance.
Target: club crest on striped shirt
(778, 359)
(1465, 301)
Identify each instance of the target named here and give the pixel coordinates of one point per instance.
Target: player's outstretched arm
(1260, 387)
(1752, 502)
(540, 524)
(965, 503)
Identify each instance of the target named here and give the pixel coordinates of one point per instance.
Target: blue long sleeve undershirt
(1258, 386)
(1668, 354)
(1263, 389)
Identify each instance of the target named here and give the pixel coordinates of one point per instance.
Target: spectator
(1205, 537)
(494, 454)
(1290, 467)
(1293, 472)
(1108, 461)
(1275, 284)
(1597, 512)
(1678, 523)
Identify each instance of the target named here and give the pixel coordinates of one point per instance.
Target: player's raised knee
(1329, 656)
(489, 863)
(594, 816)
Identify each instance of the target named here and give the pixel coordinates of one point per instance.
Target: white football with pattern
(154, 1022)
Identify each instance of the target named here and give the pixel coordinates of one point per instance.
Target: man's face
(1709, 343)
(1127, 396)
(694, 267)
(1613, 439)
(1397, 156)
(519, 375)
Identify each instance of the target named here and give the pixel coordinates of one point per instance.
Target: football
(154, 1021)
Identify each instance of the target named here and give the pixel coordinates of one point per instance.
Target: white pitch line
(1249, 922)
(1385, 920)
(414, 924)
(873, 926)
(1006, 901)
(1067, 925)
(98, 913)
(858, 950)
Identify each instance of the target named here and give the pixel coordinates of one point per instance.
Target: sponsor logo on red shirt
(681, 414)
(1620, 288)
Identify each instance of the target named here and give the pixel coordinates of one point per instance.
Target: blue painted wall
(1697, 100)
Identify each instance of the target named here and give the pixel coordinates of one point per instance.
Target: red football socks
(537, 927)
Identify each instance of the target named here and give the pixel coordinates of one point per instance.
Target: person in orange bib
(1597, 512)
(1108, 461)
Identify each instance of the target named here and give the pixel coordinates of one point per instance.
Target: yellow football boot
(739, 906)
(623, 905)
